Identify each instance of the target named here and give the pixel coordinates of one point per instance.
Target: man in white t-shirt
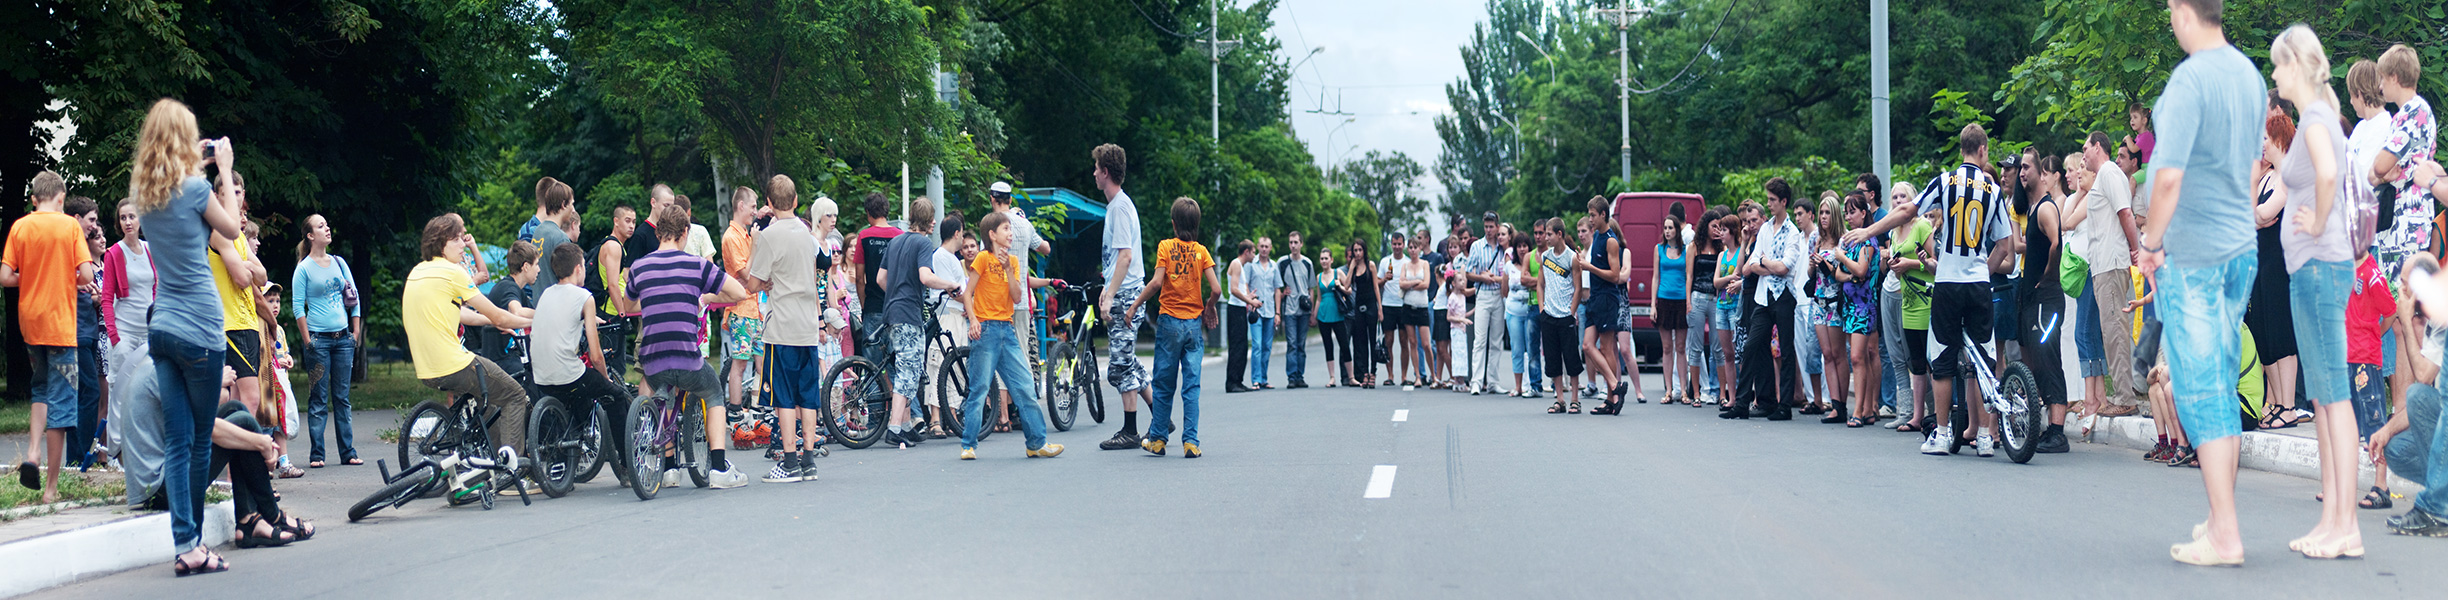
(1125, 274)
(2104, 234)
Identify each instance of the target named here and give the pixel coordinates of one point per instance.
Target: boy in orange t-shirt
(995, 278)
(47, 260)
(1181, 319)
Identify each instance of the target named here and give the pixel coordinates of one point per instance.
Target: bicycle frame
(1991, 394)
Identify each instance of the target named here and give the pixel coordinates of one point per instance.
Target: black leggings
(1329, 336)
(1360, 344)
(250, 478)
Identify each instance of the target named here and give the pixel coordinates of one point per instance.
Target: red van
(1641, 216)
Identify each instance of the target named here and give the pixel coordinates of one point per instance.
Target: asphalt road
(1489, 497)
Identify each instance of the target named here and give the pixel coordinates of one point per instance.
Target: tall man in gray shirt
(1265, 284)
(1297, 300)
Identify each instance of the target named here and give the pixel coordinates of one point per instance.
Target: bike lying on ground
(450, 455)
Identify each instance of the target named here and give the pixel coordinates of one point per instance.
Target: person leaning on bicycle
(907, 272)
(1967, 203)
(438, 298)
(671, 288)
(564, 329)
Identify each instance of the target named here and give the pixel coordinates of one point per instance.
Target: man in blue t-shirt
(2208, 129)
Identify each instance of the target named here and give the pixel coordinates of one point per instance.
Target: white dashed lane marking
(1403, 414)
(1381, 483)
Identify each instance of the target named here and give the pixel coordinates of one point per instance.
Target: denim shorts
(56, 384)
(2317, 293)
(2371, 399)
(2204, 310)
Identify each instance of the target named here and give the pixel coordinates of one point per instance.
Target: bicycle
(1070, 372)
(439, 438)
(2012, 398)
(857, 394)
(661, 424)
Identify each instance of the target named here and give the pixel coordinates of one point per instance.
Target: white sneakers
(1936, 443)
(672, 478)
(727, 479)
(1984, 445)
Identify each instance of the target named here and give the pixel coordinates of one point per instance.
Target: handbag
(2073, 273)
(348, 298)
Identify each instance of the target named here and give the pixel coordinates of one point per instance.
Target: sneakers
(807, 466)
(1985, 446)
(1154, 446)
(2161, 452)
(671, 478)
(784, 471)
(1120, 440)
(1190, 450)
(1046, 451)
(2053, 442)
(968, 454)
(2420, 523)
(727, 479)
(905, 439)
(1936, 443)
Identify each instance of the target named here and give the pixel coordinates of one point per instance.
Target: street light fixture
(1534, 45)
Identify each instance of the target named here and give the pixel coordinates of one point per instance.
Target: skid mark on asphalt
(1380, 483)
(1453, 467)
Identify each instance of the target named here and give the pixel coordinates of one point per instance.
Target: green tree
(1387, 182)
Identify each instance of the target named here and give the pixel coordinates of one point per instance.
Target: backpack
(2251, 390)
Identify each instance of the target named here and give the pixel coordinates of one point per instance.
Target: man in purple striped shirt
(671, 288)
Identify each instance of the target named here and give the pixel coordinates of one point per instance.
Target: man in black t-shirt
(511, 295)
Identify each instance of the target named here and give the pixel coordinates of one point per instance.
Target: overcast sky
(1386, 61)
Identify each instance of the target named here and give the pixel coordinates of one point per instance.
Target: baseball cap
(1000, 188)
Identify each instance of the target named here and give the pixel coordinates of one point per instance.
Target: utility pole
(1623, 76)
(1215, 57)
(1880, 162)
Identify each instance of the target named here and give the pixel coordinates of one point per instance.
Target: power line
(1160, 27)
(1703, 50)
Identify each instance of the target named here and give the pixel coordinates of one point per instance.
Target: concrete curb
(62, 557)
(2271, 452)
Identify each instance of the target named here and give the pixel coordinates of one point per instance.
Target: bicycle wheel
(1072, 369)
(952, 390)
(693, 449)
(553, 441)
(2023, 420)
(1062, 396)
(850, 413)
(1960, 418)
(408, 486)
(424, 429)
(645, 453)
(593, 443)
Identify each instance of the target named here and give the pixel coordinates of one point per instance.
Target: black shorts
(1559, 346)
(1393, 318)
(1439, 330)
(1604, 313)
(1958, 311)
(1415, 316)
(245, 350)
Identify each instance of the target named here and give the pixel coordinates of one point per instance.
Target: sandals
(2199, 552)
(301, 528)
(2184, 457)
(1576, 408)
(1855, 423)
(314, 464)
(1558, 408)
(247, 538)
(2282, 419)
(353, 461)
(2377, 499)
(210, 563)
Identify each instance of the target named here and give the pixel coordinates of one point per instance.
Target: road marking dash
(1402, 414)
(1381, 483)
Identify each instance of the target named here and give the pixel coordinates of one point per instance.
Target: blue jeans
(1179, 343)
(1525, 343)
(1296, 349)
(1699, 342)
(996, 353)
(1262, 348)
(189, 378)
(2205, 310)
(329, 362)
(2088, 348)
(2420, 453)
(1896, 376)
(2317, 292)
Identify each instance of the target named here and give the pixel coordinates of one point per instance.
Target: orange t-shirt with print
(1185, 266)
(737, 249)
(993, 300)
(46, 248)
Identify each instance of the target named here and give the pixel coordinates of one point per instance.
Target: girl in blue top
(1668, 309)
(324, 299)
(1329, 316)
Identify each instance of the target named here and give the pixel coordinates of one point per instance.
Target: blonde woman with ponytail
(179, 211)
(2320, 267)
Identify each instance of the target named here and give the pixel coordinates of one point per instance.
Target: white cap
(999, 188)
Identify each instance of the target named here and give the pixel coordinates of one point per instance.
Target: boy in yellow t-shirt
(1181, 335)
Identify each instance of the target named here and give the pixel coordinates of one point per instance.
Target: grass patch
(388, 386)
(16, 417)
(73, 486)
